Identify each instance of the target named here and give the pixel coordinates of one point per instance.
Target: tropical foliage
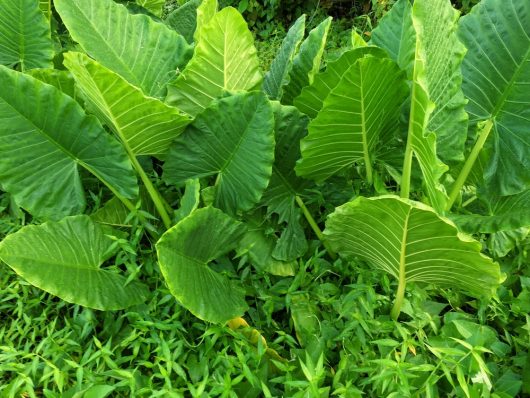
(411, 148)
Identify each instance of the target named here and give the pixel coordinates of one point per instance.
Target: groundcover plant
(420, 138)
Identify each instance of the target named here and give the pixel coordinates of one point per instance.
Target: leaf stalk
(315, 227)
(470, 162)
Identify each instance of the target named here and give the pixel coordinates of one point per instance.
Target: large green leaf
(44, 137)
(395, 33)
(233, 139)
(64, 258)
(411, 242)
(282, 64)
(25, 37)
(144, 52)
(225, 59)
(424, 37)
(205, 12)
(184, 19)
(184, 253)
(285, 185)
(437, 56)
(306, 64)
(504, 213)
(359, 111)
(312, 97)
(496, 72)
(145, 124)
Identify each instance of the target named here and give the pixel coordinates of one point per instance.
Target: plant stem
(402, 282)
(407, 170)
(157, 199)
(153, 192)
(131, 207)
(400, 296)
(314, 227)
(470, 161)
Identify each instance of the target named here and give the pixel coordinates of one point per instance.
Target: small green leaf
(184, 253)
(190, 200)
(153, 6)
(184, 19)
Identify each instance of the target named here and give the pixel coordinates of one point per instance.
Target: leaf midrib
(227, 163)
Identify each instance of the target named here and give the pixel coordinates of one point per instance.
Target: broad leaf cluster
(175, 122)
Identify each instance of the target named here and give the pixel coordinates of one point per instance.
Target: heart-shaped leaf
(233, 139)
(44, 137)
(184, 253)
(412, 243)
(64, 258)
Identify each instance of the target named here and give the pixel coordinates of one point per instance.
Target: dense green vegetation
(337, 209)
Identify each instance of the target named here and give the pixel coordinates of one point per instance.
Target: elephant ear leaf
(282, 64)
(412, 243)
(233, 139)
(285, 185)
(306, 64)
(45, 137)
(422, 39)
(144, 52)
(225, 59)
(496, 72)
(505, 213)
(64, 258)
(312, 97)
(184, 253)
(350, 126)
(146, 125)
(25, 36)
